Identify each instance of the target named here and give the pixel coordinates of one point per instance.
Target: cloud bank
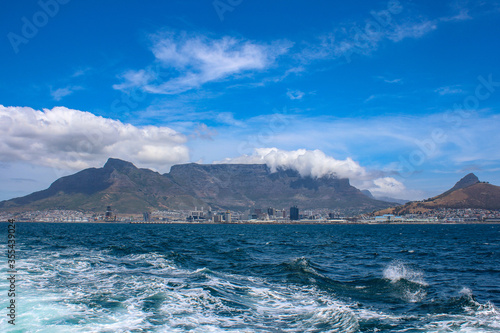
(69, 139)
(316, 164)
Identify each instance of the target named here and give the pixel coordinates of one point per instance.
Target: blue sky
(401, 97)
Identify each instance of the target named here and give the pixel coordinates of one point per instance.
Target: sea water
(253, 278)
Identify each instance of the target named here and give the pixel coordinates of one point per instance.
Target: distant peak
(466, 181)
(470, 178)
(114, 163)
(367, 193)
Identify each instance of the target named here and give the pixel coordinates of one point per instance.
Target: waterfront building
(227, 217)
(388, 218)
(108, 217)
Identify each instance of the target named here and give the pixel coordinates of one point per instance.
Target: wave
(398, 271)
(103, 292)
(462, 313)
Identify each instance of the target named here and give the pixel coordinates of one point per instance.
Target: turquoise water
(254, 278)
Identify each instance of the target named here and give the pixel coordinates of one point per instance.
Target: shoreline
(270, 223)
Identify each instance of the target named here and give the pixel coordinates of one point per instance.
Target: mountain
(386, 199)
(467, 181)
(394, 200)
(221, 186)
(469, 192)
(119, 183)
(240, 186)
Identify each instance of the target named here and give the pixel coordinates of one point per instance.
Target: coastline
(302, 222)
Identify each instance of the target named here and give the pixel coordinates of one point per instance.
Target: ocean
(253, 278)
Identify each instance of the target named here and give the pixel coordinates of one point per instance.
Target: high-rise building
(294, 213)
(109, 214)
(271, 212)
(227, 217)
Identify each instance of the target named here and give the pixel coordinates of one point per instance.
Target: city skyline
(399, 97)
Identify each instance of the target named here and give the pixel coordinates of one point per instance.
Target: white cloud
(308, 163)
(315, 163)
(135, 79)
(58, 94)
(463, 15)
(392, 81)
(354, 40)
(65, 139)
(411, 30)
(191, 61)
(81, 72)
(449, 90)
(295, 94)
(365, 36)
(228, 119)
(387, 186)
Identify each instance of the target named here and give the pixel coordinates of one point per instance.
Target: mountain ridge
(219, 186)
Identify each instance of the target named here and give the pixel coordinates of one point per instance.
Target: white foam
(397, 271)
(70, 292)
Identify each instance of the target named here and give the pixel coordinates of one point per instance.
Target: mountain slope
(469, 192)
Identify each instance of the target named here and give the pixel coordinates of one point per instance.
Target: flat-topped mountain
(221, 186)
(469, 192)
(240, 186)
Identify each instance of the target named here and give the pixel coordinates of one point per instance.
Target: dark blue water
(255, 278)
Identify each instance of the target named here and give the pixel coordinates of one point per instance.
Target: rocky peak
(467, 181)
(117, 164)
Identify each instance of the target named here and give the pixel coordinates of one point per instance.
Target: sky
(401, 97)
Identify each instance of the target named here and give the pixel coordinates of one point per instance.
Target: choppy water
(255, 278)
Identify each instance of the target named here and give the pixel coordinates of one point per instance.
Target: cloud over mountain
(316, 164)
(313, 163)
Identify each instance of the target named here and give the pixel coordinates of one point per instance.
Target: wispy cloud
(202, 131)
(463, 15)
(228, 119)
(346, 42)
(449, 90)
(60, 93)
(411, 30)
(390, 80)
(81, 72)
(295, 94)
(396, 23)
(184, 62)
